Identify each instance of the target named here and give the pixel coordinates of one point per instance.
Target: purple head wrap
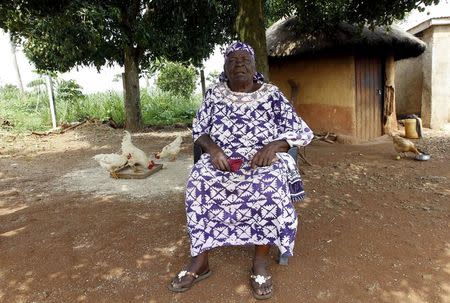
(239, 46)
(257, 77)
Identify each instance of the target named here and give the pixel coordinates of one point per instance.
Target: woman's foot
(260, 280)
(196, 271)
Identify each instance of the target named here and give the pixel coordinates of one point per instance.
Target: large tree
(250, 27)
(318, 15)
(325, 14)
(58, 35)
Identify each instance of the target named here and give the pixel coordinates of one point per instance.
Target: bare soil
(373, 228)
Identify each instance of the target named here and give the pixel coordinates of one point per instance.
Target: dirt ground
(373, 229)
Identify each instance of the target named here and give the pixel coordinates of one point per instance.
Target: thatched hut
(341, 82)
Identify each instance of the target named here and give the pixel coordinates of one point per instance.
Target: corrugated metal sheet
(369, 97)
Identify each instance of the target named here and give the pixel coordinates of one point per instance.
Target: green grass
(30, 112)
(99, 105)
(25, 111)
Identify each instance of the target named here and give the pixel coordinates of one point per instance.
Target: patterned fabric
(293, 176)
(250, 206)
(239, 46)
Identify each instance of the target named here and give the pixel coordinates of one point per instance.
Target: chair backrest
(293, 151)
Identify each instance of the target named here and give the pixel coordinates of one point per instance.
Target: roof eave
(427, 24)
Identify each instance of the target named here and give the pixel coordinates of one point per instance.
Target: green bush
(69, 101)
(165, 108)
(177, 79)
(23, 110)
(38, 86)
(29, 111)
(9, 92)
(98, 105)
(68, 90)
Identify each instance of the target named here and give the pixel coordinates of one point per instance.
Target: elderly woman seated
(241, 191)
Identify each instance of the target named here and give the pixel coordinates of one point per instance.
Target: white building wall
(427, 65)
(440, 102)
(408, 86)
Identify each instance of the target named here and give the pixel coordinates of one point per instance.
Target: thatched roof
(284, 40)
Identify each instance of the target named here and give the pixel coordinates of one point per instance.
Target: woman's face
(240, 67)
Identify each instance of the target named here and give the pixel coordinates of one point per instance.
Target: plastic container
(411, 129)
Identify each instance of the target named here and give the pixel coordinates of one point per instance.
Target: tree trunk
(16, 66)
(389, 113)
(202, 81)
(133, 119)
(251, 30)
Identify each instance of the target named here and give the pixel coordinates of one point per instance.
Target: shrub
(69, 101)
(177, 79)
(38, 86)
(29, 111)
(23, 110)
(164, 108)
(68, 90)
(102, 106)
(9, 92)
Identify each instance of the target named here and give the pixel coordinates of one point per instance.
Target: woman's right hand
(218, 159)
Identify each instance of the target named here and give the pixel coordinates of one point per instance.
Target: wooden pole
(51, 99)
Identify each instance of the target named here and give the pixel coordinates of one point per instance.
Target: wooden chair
(293, 151)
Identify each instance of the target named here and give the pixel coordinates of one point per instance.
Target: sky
(415, 17)
(93, 81)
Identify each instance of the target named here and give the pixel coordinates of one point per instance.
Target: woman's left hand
(266, 155)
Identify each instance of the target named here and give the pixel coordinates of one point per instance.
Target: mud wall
(321, 89)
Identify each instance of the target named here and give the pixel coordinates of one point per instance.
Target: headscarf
(238, 45)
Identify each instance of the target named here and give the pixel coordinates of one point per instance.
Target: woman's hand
(219, 159)
(266, 155)
(217, 156)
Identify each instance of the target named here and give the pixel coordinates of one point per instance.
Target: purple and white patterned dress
(250, 206)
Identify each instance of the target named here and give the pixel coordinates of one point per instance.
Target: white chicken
(111, 162)
(171, 150)
(136, 157)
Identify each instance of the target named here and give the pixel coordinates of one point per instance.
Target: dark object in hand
(235, 164)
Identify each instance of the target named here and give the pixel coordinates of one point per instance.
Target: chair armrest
(293, 151)
(197, 152)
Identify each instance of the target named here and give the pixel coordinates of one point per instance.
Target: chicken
(402, 145)
(171, 150)
(136, 157)
(111, 162)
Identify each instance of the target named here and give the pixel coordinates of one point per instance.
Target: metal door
(369, 97)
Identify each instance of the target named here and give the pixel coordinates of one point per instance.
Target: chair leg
(282, 260)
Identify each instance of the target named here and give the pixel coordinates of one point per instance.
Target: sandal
(184, 273)
(261, 280)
